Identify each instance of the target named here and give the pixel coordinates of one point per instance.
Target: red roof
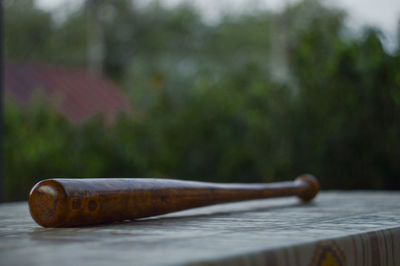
(77, 94)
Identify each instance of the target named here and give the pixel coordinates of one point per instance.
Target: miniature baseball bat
(76, 202)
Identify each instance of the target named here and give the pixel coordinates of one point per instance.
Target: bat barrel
(74, 202)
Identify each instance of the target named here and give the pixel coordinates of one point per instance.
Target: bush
(212, 107)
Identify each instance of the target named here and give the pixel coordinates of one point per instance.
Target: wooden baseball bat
(75, 202)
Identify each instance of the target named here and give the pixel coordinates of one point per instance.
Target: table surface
(202, 235)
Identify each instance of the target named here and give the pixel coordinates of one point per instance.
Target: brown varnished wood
(76, 202)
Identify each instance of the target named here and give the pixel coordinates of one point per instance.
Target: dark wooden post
(1, 103)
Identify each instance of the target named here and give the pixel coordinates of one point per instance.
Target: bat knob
(47, 203)
(312, 186)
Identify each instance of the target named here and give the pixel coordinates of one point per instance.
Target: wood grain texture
(76, 202)
(279, 232)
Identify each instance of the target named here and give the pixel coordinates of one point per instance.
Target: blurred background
(224, 91)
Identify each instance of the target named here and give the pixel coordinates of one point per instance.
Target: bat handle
(310, 187)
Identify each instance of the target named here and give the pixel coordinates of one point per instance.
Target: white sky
(384, 14)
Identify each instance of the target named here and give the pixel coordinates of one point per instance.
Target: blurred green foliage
(255, 97)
